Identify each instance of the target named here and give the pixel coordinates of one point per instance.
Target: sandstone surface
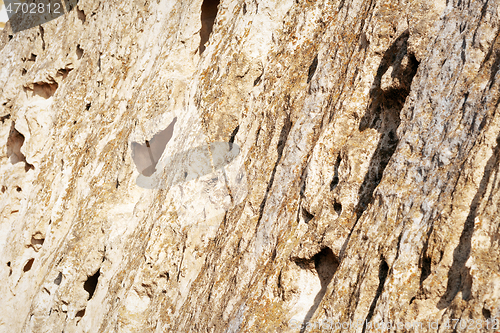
(357, 183)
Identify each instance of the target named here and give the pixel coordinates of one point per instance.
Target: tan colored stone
(365, 189)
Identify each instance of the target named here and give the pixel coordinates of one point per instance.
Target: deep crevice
(208, 15)
(459, 277)
(425, 268)
(91, 284)
(4, 118)
(383, 114)
(64, 72)
(79, 315)
(233, 135)
(42, 33)
(335, 180)
(382, 276)
(312, 69)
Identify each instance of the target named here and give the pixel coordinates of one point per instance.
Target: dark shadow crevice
(312, 69)
(325, 265)
(383, 114)
(335, 180)
(91, 284)
(208, 15)
(459, 277)
(382, 276)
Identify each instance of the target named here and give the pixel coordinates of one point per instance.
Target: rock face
(362, 189)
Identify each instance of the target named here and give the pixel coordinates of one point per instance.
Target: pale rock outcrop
(362, 190)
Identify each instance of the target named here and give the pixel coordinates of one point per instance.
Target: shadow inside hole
(28, 265)
(325, 264)
(208, 15)
(312, 69)
(58, 279)
(91, 284)
(15, 141)
(335, 180)
(27, 14)
(382, 276)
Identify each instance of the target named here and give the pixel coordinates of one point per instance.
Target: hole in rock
(58, 279)
(337, 207)
(4, 188)
(64, 72)
(81, 15)
(486, 313)
(10, 268)
(37, 241)
(425, 268)
(312, 69)
(146, 155)
(80, 314)
(306, 215)
(87, 107)
(28, 265)
(18, 189)
(91, 284)
(44, 89)
(325, 265)
(335, 180)
(14, 143)
(79, 50)
(208, 15)
(23, 71)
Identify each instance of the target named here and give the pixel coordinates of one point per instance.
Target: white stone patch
(135, 303)
(3, 15)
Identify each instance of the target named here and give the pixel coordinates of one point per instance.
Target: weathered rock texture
(366, 188)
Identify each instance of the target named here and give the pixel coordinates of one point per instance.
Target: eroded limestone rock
(364, 190)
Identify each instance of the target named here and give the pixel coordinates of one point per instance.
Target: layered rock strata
(359, 184)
